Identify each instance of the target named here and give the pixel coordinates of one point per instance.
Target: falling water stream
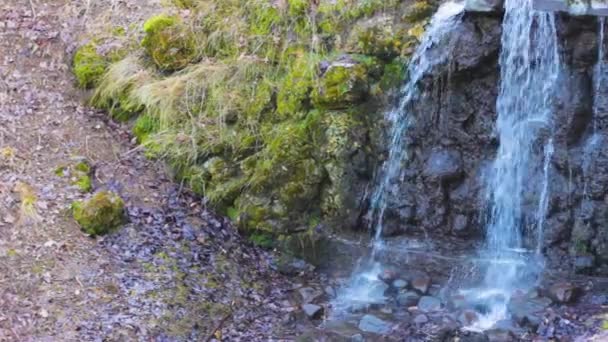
(530, 65)
(599, 82)
(364, 286)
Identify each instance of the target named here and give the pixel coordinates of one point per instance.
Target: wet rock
(399, 284)
(528, 311)
(563, 292)
(330, 291)
(308, 294)
(421, 283)
(408, 299)
(388, 276)
(373, 324)
(457, 302)
(312, 311)
(444, 165)
(428, 304)
(460, 226)
(483, 5)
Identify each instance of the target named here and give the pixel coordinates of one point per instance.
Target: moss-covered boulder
(89, 66)
(101, 214)
(168, 42)
(344, 83)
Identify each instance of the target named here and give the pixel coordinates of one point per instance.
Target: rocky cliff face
(452, 143)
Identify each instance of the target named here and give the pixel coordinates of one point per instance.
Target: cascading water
(530, 64)
(364, 285)
(599, 79)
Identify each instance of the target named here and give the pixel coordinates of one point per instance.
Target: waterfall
(364, 287)
(444, 20)
(599, 79)
(529, 68)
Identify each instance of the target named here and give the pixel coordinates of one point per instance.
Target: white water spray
(529, 63)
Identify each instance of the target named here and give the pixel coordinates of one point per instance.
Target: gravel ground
(175, 272)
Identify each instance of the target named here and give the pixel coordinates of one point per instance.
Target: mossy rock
(344, 83)
(101, 214)
(89, 66)
(169, 42)
(418, 11)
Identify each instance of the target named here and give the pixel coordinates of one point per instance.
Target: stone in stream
(563, 292)
(373, 324)
(428, 303)
(421, 283)
(399, 284)
(408, 299)
(312, 311)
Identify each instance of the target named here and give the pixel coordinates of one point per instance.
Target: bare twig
(33, 9)
(218, 326)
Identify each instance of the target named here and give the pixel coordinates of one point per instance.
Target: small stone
(421, 319)
(101, 214)
(408, 299)
(428, 304)
(562, 292)
(500, 335)
(373, 324)
(312, 311)
(421, 283)
(399, 284)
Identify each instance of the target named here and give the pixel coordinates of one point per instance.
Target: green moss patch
(101, 214)
(168, 42)
(89, 66)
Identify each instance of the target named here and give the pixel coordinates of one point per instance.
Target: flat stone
(374, 325)
(408, 299)
(563, 292)
(428, 303)
(312, 311)
(421, 283)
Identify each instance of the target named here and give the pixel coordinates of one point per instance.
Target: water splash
(364, 285)
(530, 65)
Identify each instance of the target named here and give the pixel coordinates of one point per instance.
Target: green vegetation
(266, 110)
(101, 214)
(89, 66)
